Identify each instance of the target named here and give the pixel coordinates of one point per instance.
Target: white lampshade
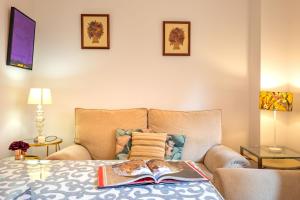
(46, 96)
(34, 96)
(39, 96)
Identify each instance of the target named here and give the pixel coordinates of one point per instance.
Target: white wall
(14, 83)
(133, 73)
(280, 67)
(274, 63)
(254, 63)
(227, 37)
(293, 133)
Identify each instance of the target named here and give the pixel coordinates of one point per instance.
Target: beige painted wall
(293, 136)
(280, 67)
(14, 82)
(133, 73)
(274, 63)
(254, 63)
(225, 40)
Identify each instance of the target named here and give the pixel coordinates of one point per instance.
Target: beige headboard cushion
(95, 128)
(202, 129)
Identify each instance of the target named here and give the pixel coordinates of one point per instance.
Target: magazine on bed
(154, 171)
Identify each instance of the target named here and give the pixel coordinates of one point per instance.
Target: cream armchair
(95, 135)
(258, 184)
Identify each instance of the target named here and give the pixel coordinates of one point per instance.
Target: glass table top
(264, 152)
(50, 140)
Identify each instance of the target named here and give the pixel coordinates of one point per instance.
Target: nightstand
(287, 159)
(55, 142)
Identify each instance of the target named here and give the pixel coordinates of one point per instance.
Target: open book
(153, 171)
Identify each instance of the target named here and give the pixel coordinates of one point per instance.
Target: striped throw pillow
(147, 146)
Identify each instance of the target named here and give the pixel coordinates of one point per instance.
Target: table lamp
(39, 97)
(275, 101)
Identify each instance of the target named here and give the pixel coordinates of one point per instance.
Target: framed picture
(95, 31)
(20, 40)
(176, 38)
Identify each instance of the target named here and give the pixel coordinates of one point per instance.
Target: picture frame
(176, 38)
(21, 38)
(95, 31)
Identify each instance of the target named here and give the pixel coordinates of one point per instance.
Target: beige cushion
(73, 152)
(148, 146)
(95, 129)
(201, 128)
(258, 184)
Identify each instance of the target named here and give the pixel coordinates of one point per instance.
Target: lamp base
(275, 149)
(41, 139)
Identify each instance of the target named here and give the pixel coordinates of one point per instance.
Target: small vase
(19, 154)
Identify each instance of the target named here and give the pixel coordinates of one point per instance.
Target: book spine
(100, 177)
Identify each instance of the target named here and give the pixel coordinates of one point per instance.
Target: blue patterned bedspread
(78, 180)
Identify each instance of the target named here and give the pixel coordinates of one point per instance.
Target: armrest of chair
(74, 152)
(258, 184)
(221, 156)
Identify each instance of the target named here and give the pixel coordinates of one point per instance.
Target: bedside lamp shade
(276, 101)
(39, 96)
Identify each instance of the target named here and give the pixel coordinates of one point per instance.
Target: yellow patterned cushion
(148, 146)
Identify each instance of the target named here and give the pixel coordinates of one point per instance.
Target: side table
(56, 143)
(266, 158)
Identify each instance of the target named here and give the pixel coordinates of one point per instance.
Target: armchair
(258, 184)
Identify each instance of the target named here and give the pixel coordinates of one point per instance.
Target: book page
(110, 178)
(130, 172)
(187, 172)
(162, 167)
(131, 168)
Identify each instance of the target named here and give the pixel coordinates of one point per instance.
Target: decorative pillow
(174, 146)
(148, 146)
(123, 142)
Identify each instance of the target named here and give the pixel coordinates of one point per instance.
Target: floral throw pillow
(123, 142)
(174, 146)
